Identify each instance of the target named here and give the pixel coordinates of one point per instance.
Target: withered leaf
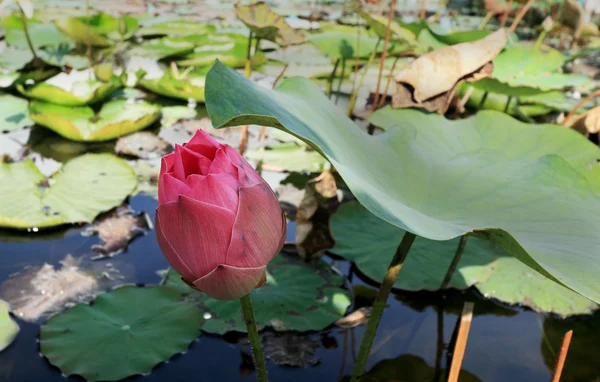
(586, 123)
(430, 81)
(356, 318)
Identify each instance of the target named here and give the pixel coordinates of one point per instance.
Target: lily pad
(83, 188)
(290, 157)
(41, 33)
(8, 327)
(172, 114)
(370, 243)
(13, 113)
(188, 85)
(115, 119)
(174, 28)
(344, 45)
(450, 37)
(163, 47)
(524, 70)
(230, 49)
(128, 331)
(74, 89)
(440, 179)
(268, 25)
(101, 30)
(297, 296)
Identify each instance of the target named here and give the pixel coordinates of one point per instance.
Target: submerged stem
(455, 261)
(332, 77)
(379, 304)
(248, 68)
(339, 88)
(257, 354)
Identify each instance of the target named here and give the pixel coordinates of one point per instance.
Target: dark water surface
(505, 344)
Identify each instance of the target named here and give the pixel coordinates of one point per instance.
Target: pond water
(505, 343)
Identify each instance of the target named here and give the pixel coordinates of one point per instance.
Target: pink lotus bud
(218, 222)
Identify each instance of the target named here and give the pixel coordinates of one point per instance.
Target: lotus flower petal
(222, 164)
(247, 175)
(169, 188)
(226, 282)
(204, 144)
(194, 233)
(188, 162)
(217, 189)
(259, 227)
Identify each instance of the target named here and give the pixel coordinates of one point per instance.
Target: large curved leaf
(440, 179)
(115, 119)
(83, 188)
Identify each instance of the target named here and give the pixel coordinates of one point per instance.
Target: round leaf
(121, 333)
(13, 113)
(83, 188)
(115, 119)
(297, 296)
(8, 327)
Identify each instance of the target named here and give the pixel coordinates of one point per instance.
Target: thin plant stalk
(540, 40)
(387, 85)
(360, 82)
(461, 341)
(89, 38)
(386, 40)
(339, 88)
(455, 260)
(562, 356)
(26, 31)
(485, 20)
(483, 99)
(439, 347)
(506, 13)
(247, 74)
(520, 16)
(332, 77)
(254, 339)
(423, 11)
(357, 58)
(580, 104)
(510, 98)
(379, 304)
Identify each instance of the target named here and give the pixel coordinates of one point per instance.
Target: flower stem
(257, 354)
(26, 32)
(379, 304)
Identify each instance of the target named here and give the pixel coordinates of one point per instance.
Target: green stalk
(540, 40)
(257, 354)
(483, 99)
(379, 304)
(26, 31)
(455, 261)
(507, 104)
(331, 78)
(362, 78)
(485, 20)
(248, 68)
(339, 88)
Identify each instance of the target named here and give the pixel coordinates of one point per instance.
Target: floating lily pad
(77, 193)
(297, 296)
(370, 243)
(230, 49)
(188, 85)
(13, 113)
(440, 179)
(41, 33)
(8, 327)
(127, 331)
(525, 70)
(13, 59)
(268, 25)
(344, 45)
(115, 119)
(74, 89)
(173, 114)
(101, 30)
(174, 28)
(290, 157)
(163, 47)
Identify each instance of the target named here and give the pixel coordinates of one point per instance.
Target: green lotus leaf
(297, 296)
(344, 45)
(115, 119)
(370, 242)
(229, 49)
(13, 59)
(524, 70)
(440, 179)
(379, 25)
(174, 28)
(42, 34)
(83, 188)
(8, 327)
(13, 113)
(163, 47)
(74, 89)
(456, 37)
(189, 85)
(126, 331)
(268, 25)
(103, 28)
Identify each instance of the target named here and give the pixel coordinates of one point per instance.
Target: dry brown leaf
(430, 81)
(573, 16)
(585, 123)
(356, 318)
